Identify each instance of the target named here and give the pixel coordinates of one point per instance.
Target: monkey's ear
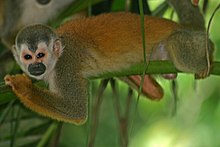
(57, 47)
(15, 53)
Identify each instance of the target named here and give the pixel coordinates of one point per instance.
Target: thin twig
(122, 119)
(175, 97)
(116, 98)
(123, 138)
(207, 39)
(96, 110)
(128, 105)
(56, 138)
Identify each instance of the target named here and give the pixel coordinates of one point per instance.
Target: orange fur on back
(116, 37)
(120, 29)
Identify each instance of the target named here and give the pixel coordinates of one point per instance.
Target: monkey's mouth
(37, 73)
(36, 69)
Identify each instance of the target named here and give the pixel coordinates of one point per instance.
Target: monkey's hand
(21, 84)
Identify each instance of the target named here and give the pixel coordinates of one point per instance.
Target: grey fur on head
(33, 34)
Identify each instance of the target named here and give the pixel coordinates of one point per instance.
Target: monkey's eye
(40, 55)
(27, 57)
(43, 2)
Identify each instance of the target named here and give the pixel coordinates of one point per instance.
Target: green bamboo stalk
(141, 10)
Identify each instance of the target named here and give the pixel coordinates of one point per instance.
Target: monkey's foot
(21, 84)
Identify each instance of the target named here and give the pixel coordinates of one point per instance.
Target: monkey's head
(37, 49)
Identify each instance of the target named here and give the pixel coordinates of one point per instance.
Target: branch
(155, 67)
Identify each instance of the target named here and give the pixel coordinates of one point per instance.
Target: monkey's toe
(201, 75)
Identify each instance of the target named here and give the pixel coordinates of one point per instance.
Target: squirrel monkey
(67, 57)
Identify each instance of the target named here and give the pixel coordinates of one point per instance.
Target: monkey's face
(37, 49)
(37, 63)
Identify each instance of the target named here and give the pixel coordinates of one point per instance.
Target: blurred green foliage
(196, 123)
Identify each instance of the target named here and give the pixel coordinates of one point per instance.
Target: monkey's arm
(48, 103)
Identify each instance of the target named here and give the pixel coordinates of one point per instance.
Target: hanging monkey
(66, 58)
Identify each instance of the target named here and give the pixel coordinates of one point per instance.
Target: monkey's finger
(9, 81)
(203, 74)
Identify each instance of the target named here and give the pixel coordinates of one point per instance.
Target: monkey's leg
(47, 103)
(188, 51)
